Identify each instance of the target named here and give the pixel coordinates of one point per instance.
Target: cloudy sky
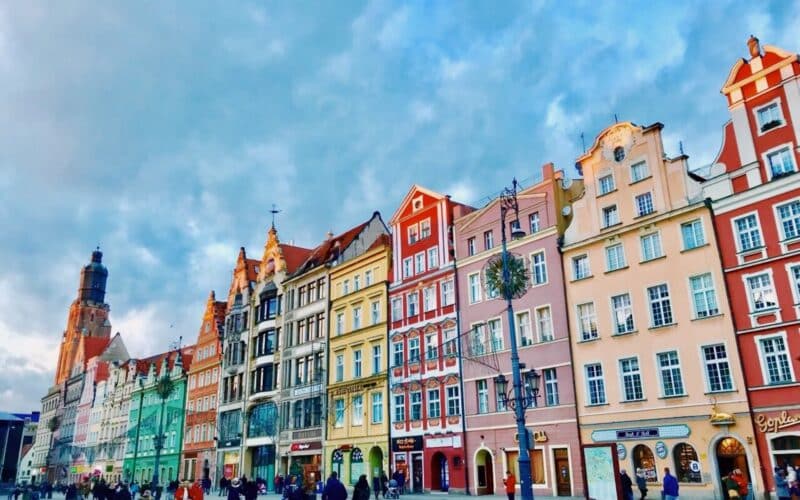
(164, 132)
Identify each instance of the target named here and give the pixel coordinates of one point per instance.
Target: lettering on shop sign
(774, 424)
(637, 433)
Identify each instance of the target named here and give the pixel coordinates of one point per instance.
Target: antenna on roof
(274, 212)
(680, 147)
(583, 142)
(615, 118)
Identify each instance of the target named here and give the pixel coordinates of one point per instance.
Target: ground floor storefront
(258, 462)
(778, 438)
(431, 463)
(350, 459)
(302, 458)
(143, 468)
(198, 465)
(699, 452)
(228, 463)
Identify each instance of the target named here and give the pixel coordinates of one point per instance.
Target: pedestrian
(250, 489)
(334, 489)
(402, 482)
(641, 483)
(384, 483)
(791, 474)
(781, 484)
(233, 489)
(361, 490)
(627, 485)
(223, 486)
(134, 489)
(670, 486)
(376, 486)
(511, 485)
(71, 492)
(741, 482)
(121, 492)
(206, 485)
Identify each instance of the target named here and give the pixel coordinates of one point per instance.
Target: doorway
(416, 472)
(375, 462)
(484, 472)
(563, 479)
(731, 455)
(440, 472)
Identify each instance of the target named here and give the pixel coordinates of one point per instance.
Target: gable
(417, 197)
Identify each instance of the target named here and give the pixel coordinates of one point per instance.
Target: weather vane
(274, 212)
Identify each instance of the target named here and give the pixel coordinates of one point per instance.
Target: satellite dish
(566, 211)
(493, 276)
(566, 183)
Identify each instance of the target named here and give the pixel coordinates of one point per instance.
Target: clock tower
(88, 314)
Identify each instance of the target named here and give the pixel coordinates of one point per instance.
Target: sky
(165, 131)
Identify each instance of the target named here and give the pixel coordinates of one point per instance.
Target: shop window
(643, 459)
(685, 456)
(537, 465)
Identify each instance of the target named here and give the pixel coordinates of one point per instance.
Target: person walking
(627, 485)
(233, 489)
(781, 484)
(361, 490)
(134, 490)
(223, 486)
(641, 483)
(376, 486)
(334, 489)
(511, 485)
(670, 486)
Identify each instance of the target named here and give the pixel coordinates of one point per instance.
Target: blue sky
(165, 132)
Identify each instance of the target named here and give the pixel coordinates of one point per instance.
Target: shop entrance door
(416, 471)
(561, 459)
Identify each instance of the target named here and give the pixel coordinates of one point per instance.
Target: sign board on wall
(413, 443)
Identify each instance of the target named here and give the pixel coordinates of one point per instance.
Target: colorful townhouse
(756, 205)
(540, 317)
(656, 368)
(357, 434)
(84, 443)
(198, 460)
(427, 431)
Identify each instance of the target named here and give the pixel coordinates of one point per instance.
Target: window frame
(760, 340)
(635, 375)
(614, 310)
(578, 271)
(474, 292)
(601, 379)
(537, 317)
(691, 224)
(655, 236)
(650, 302)
(786, 147)
(592, 335)
(604, 215)
(777, 102)
(433, 257)
(749, 293)
(648, 195)
(717, 362)
(542, 268)
(716, 311)
(633, 169)
(671, 368)
(737, 235)
(779, 221)
(611, 187)
(623, 263)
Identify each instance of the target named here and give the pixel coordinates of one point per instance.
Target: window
(644, 204)
(610, 216)
(474, 283)
(501, 403)
(356, 318)
(433, 258)
(769, 116)
(416, 405)
(448, 295)
(368, 278)
(397, 354)
(413, 350)
(544, 323)
(412, 302)
(550, 387)
(339, 413)
(703, 296)
(669, 368)
(471, 246)
(429, 298)
(339, 367)
(488, 240)
(425, 228)
(413, 233)
(718, 369)
(524, 328)
(538, 268)
(376, 359)
(357, 363)
(580, 267)
(775, 360)
(615, 257)
(595, 384)
(431, 346)
(356, 282)
(780, 162)
(643, 459)
(761, 292)
(631, 379)
(748, 232)
(794, 277)
(375, 312)
(660, 305)
(339, 323)
(408, 269)
(483, 395)
(358, 410)
(397, 309)
(685, 456)
(377, 407)
(789, 216)
(639, 171)
(587, 319)
(450, 347)
(606, 184)
(453, 400)
(623, 313)
(478, 340)
(345, 290)
(692, 233)
(399, 407)
(495, 335)
(419, 262)
(651, 246)
(434, 404)
(619, 153)
(533, 220)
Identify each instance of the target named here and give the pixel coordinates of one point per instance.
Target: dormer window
(769, 116)
(416, 204)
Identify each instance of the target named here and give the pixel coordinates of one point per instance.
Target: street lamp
(164, 389)
(508, 203)
(530, 381)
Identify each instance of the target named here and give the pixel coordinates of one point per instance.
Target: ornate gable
(272, 261)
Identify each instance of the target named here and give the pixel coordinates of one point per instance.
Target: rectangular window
(524, 328)
(500, 401)
(718, 369)
(639, 171)
(660, 305)
(631, 379)
(453, 400)
(419, 263)
(474, 282)
(357, 363)
(339, 413)
(769, 117)
(345, 290)
(761, 292)
(544, 323)
(413, 350)
(356, 283)
(377, 407)
(431, 346)
(450, 338)
(794, 276)
(482, 387)
(580, 267)
(367, 278)
(375, 312)
(538, 268)
(644, 204)
(488, 240)
(550, 387)
(606, 184)
(610, 216)
(434, 404)
(491, 291)
(703, 296)
(533, 220)
(748, 234)
(433, 258)
(358, 410)
(416, 405)
(615, 257)
(669, 367)
(789, 216)
(356, 318)
(413, 234)
(339, 367)
(692, 233)
(425, 228)
(471, 246)
(651, 246)
(339, 323)
(595, 384)
(448, 293)
(397, 309)
(587, 319)
(775, 359)
(623, 313)
(397, 354)
(495, 335)
(780, 162)
(399, 408)
(376, 359)
(429, 298)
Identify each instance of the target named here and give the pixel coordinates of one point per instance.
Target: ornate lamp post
(164, 389)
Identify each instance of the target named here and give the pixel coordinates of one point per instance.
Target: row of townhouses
(657, 323)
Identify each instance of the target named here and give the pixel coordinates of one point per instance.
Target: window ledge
(724, 391)
(750, 251)
(586, 341)
(640, 180)
(615, 270)
(788, 241)
(676, 396)
(640, 400)
(710, 316)
(764, 312)
(600, 195)
(596, 405)
(590, 276)
(660, 327)
(611, 226)
(648, 214)
(695, 248)
(653, 259)
(624, 334)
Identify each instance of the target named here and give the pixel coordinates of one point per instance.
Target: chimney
(329, 235)
(754, 46)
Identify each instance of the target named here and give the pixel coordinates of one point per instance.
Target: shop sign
(302, 391)
(774, 424)
(314, 445)
(621, 451)
(694, 466)
(356, 457)
(662, 431)
(337, 457)
(413, 443)
(661, 449)
(637, 433)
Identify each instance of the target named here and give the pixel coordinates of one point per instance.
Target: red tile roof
(143, 365)
(252, 265)
(102, 372)
(325, 251)
(294, 256)
(381, 240)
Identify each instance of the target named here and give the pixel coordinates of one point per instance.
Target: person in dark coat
(71, 492)
(334, 489)
(627, 485)
(384, 483)
(122, 492)
(250, 490)
(223, 486)
(641, 483)
(233, 489)
(376, 486)
(361, 490)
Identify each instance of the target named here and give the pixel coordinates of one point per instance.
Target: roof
(143, 365)
(383, 240)
(294, 256)
(324, 252)
(5, 417)
(252, 265)
(102, 372)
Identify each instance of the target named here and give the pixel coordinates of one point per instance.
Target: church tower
(88, 314)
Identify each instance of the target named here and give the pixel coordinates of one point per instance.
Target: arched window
(687, 467)
(643, 459)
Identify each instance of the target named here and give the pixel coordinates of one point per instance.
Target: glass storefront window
(537, 465)
(263, 420)
(643, 459)
(685, 456)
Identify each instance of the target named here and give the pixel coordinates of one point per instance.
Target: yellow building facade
(357, 417)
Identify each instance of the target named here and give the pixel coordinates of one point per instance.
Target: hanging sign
(661, 449)
(621, 451)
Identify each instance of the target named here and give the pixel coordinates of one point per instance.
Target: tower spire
(274, 212)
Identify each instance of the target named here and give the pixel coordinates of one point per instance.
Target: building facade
(427, 431)
(756, 204)
(540, 317)
(656, 367)
(357, 440)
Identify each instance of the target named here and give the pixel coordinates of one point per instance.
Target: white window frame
(588, 380)
(413, 233)
(622, 262)
(737, 239)
(551, 396)
(357, 415)
(660, 299)
(412, 304)
(408, 267)
(434, 403)
(339, 413)
(488, 239)
(642, 196)
(482, 395)
(377, 359)
(647, 237)
(794, 281)
(453, 398)
(670, 368)
(524, 329)
(399, 405)
(433, 258)
(429, 298)
(412, 403)
(691, 224)
(704, 291)
(604, 215)
(705, 364)
(339, 323)
(494, 334)
(591, 317)
(419, 263)
(448, 292)
(611, 187)
(542, 265)
(397, 307)
(375, 311)
(449, 346)
(538, 317)
(614, 322)
(377, 407)
(750, 301)
(358, 363)
(634, 374)
(339, 375)
(759, 339)
(777, 149)
(474, 293)
(424, 224)
(633, 169)
(368, 277)
(411, 348)
(431, 346)
(356, 317)
(534, 218)
(577, 273)
(471, 248)
(779, 221)
(756, 119)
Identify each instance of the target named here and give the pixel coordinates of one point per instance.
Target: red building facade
(426, 403)
(756, 204)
